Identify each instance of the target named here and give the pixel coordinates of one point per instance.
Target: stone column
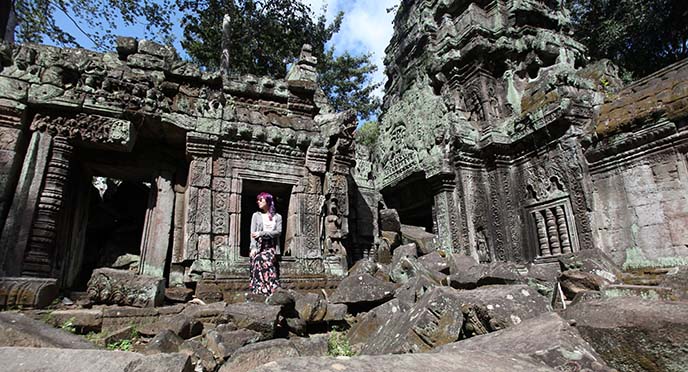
(11, 137)
(157, 230)
(17, 229)
(220, 243)
(40, 250)
(447, 215)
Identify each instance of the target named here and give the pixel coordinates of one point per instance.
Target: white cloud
(367, 28)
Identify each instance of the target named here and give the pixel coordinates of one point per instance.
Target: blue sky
(367, 27)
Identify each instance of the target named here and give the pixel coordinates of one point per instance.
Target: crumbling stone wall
(531, 151)
(638, 171)
(195, 137)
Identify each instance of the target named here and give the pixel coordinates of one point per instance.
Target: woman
(266, 227)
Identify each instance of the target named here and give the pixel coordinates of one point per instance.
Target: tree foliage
(347, 80)
(96, 19)
(641, 36)
(266, 35)
(368, 133)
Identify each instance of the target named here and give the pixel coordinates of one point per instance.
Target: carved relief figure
(333, 230)
(482, 246)
(266, 228)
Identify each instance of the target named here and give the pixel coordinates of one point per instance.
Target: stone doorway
(114, 226)
(414, 201)
(250, 190)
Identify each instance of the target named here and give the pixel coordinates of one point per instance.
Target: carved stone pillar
(39, 253)
(447, 215)
(17, 229)
(11, 137)
(155, 242)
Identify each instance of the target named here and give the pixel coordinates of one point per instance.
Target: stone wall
(194, 140)
(638, 171)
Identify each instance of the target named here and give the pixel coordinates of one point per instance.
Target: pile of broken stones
(416, 306)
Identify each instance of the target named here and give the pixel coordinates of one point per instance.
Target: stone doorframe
(288, 176)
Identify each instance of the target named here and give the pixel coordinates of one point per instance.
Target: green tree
(266, 35)
(368, 133)
(35, 20)
(347, 80)
(641, 36)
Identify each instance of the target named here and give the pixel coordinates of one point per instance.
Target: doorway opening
(116, 215)
(250, 189)
(414, 201)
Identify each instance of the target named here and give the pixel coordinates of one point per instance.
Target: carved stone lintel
(121, 287)
(27, 292)
(94, 130)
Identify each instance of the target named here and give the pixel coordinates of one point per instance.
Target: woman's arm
(274, 234)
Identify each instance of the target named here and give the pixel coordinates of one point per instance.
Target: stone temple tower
(485, 108)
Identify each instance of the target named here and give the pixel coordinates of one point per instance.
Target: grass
(68, 325)
(338, 345)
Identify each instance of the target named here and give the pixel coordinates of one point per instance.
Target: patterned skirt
(263, 271)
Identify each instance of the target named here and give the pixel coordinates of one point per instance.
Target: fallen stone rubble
(436, 308)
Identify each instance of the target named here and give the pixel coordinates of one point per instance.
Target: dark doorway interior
(413, 200)
(250, 190)
(115, 225)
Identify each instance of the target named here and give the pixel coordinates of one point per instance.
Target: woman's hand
(253, 253)
(254, 235)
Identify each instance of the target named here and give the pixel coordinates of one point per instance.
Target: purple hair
(269, 201)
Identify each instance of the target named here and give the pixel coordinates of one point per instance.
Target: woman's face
(262, 205)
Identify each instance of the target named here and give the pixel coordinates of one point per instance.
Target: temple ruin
(137, 152)
(498, 136)
(503, 139)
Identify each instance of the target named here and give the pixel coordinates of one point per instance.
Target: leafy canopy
(641, 36)
(266, 35)
(96, 19)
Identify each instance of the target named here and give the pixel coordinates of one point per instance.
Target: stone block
(155, 49)
(22, 359)
(654, 240)
(83, 320)
(126, 46)
(258, 317)
(121, 287)
(224, 344)
(425, 241)
(547, 338)
(389, 220)
(459, 361)
(199, 354)
(311, 307)
(435, 320)
(27, 292)
(435, 261)
(18, 330)
(363, 266)
(574, 282)
(362, 289)
(164, 342)
(677, 208)
(13, 89)
(335, 312)
(182, 325)
(178, 294)
(649, 214)
(496, 307)
(678, 230)
(632, 334)
(254, 355)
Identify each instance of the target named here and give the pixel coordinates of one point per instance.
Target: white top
(268, 225)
